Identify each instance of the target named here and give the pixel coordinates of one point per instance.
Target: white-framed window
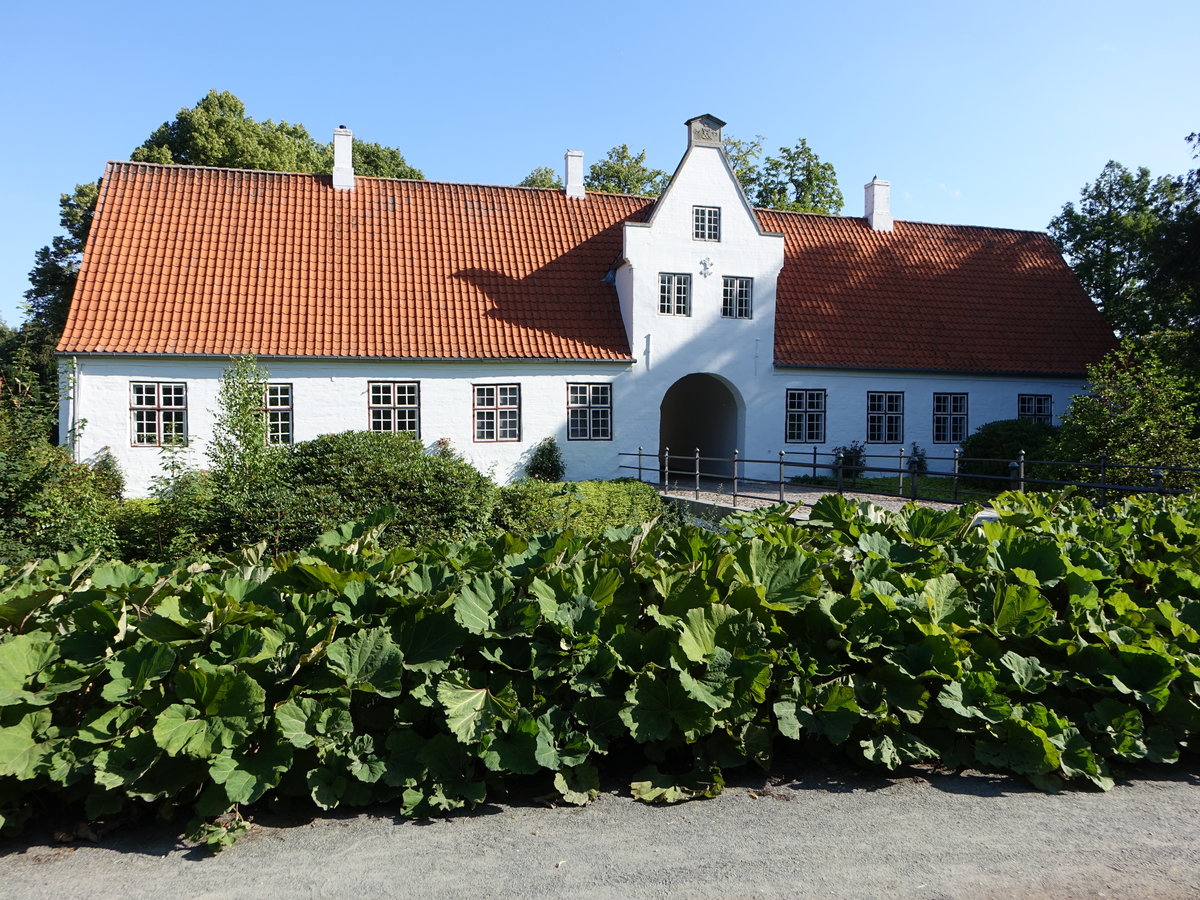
(885, 417)
(497, 412)
(674, 294)
(589, 412)
(949, 418)
(394, 406)
(1036, 408)
(157, 413)
(277, 407)
(737, 296)
(706, 223)
(805, 423)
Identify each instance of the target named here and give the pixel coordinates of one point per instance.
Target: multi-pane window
(158, 413)
(949, 418)
(1036, 408)
(706, 223)
(805, 417)
(497, 412)
(674, 294)
(589, 412)
(736, 297)
(885, 417)
(394, 406)
(278, 411)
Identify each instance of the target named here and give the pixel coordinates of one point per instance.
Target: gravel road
(821, 834)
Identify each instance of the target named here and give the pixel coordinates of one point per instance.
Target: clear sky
(978, 113)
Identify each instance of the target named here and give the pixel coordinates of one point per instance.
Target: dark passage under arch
(699, 411)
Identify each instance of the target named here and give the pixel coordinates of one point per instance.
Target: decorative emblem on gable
(704, 131)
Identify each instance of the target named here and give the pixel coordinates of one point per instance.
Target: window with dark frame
(394, 406)
(674, 294)
(157, 414)
(277, 407)
(706, 223)
(497, 412)
(589, 412)
(1036, 408)
(885, 417)
(949, 418)
(737, 297)
(805, 422)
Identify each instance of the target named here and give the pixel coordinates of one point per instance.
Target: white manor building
(497, 316)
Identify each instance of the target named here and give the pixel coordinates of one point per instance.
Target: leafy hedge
(1052, 644)
(586, 507)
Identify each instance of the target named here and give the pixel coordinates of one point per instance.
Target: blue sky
(978, 113)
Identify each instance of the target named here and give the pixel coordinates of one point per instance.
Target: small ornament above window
(706, 267)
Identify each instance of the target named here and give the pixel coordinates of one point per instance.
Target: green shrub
(532, 507)
(546, 462)
(854, 459)
(529, 507)
(339, 477)
(1003, 442)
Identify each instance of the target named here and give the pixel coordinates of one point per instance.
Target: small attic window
(706, 223)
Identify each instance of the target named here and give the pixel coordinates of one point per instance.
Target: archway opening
(699, 411)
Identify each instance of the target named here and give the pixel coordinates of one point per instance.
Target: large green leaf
(653, 786)
(475, 605)
(698, 640)
(246, 777)
(22, 657)
(656, 704)
(136, 667)
(471, 711)
(21, 753)
(429, 643)
(368, 660)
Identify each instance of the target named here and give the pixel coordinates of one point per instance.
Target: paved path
(825, 834)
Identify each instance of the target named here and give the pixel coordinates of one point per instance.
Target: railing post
(1158, 475)
(780, 476)
(837, 465)
(697, 473)
(735, 477)
(957, 458)
(1103, 479)
(912, 476)
(814, 471)
(1021, 469)
(1012, 475)
(640, 450)
(666, 468)
(900, 469)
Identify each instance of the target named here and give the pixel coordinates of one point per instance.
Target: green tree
(542, 177)
(622, 172)
(217, 132)
(795, 180)
(1178, 251)
(1141, 412)
(743, 158)
(1114, 243)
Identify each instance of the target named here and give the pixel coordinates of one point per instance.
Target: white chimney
(574, 179)
(343, 158)
(878, 204)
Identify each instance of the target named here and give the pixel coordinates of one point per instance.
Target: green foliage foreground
(1052, 644)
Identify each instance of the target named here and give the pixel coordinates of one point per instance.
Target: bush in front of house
(586, 507)
(994, 445)
(340, 477)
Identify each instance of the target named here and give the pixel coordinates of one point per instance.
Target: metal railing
(960, 479)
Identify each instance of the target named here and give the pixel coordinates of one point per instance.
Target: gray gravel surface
(824, 834)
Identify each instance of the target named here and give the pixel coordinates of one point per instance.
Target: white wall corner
(343, 158)
(878, 204)
(574, 174)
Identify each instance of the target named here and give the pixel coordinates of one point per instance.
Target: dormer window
(706, 223)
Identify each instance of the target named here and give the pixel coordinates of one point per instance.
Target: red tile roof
(194, 261)
(938, 297)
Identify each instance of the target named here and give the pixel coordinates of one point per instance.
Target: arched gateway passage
(699, 411)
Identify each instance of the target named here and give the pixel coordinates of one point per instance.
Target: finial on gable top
(704, 131)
